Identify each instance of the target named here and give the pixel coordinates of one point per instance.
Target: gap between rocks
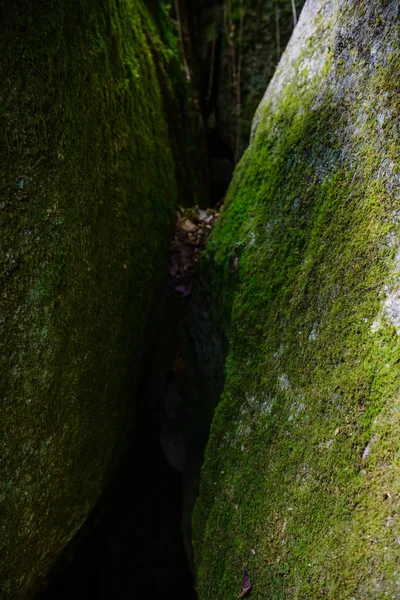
(134, 540)
(138, 538)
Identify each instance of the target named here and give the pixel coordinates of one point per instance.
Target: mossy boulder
(91, 103)
(301, 476)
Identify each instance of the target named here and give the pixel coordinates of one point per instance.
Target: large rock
(301, 474)
(91, 107)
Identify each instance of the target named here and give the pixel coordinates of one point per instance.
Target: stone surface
(91, 106)
(300, 480)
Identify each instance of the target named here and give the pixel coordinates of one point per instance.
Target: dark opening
(132, 543)
(220, 155)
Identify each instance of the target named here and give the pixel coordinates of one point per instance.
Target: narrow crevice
(137, 540)
(220, 155)
(133, 543)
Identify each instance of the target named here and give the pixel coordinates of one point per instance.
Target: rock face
(91, 105)
(301, 474)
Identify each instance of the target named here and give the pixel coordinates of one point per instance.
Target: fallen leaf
(188, 225)
(246, 585)
(192, 229)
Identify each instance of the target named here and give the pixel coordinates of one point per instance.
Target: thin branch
(230, 36)
(278, 32)
(212, 69)
(230, 22)
(238, 83)
(294, 13)
(185, 63)
(231, 30)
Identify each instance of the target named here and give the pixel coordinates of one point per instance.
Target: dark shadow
(132, 543)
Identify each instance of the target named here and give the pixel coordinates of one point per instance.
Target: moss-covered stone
(91, 105)
(301, 477)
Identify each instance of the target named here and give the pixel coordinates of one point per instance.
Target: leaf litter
(193, 226)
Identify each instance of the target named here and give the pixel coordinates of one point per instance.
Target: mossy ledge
(301, 475)
(91, 106)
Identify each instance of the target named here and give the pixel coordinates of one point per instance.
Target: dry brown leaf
(187, 225)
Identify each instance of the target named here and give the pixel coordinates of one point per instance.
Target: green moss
(88, 184)
(301, 473)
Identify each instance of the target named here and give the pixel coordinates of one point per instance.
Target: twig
(185, 63)
(212, 69)
(238, 83)
(229, 22)
(278, 32)
(294, 13)
(230, 28)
